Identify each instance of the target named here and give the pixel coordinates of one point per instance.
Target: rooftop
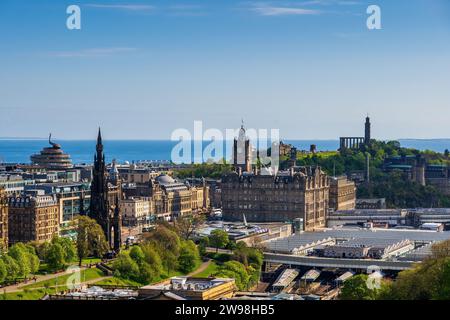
(363, 236)
(188, 284)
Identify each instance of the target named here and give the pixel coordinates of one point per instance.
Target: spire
(114, 172)
(99, 146)
(99, 137)
(242, 131)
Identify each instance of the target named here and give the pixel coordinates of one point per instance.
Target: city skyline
(309, 68)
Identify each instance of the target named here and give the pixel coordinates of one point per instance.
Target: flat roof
(375, 235)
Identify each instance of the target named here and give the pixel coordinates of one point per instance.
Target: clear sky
(141, 69)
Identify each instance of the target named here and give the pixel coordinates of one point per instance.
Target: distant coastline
(82, 151)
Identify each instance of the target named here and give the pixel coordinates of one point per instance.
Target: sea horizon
(82, 151)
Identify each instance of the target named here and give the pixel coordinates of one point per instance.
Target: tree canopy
(218, 239)
(91, 240)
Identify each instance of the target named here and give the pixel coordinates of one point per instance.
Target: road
(202, 268)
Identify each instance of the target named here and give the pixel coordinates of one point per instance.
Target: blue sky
(141, 69)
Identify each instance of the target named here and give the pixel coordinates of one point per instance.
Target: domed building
(52, 158)
(165, 179)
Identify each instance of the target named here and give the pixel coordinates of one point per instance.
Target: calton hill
(395, 184)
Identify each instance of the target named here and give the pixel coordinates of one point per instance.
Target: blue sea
(82, 151)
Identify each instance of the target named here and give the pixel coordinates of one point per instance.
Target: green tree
(428, 280)
(167, 243)
(125, 267)
(55, 257)
(34, 260)
(202, 245)
(248, 255)
(219, 239)
(186, 225)
(147, 273)
(165, 238)
(12, 268)
(189, 256)
(237, 271)
(41, 249)
(152, 258)
(69, 248)
(442, 289)
(91, 239)
(251, 258)
(356, 288)
(137, 254)
(20, 254)
(152, 267)
(3, 271)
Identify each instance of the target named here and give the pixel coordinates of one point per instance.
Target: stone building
(285, 149)
(32, 218)
(301, 192)
(172, 199)
(189, 288)
(374, 203)
(13, 183)
(135, 211)
(415, 168)
(342, 193)
(3, 219)
(73, 200)
(140, 174)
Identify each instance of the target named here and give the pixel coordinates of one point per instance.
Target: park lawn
(25, 295)
(209, 271)
(321, 154)
(127, 282)
(174, 273)
(90, 261)
(114, 281)
(86, 275)
(44, 268)
(37, 290)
